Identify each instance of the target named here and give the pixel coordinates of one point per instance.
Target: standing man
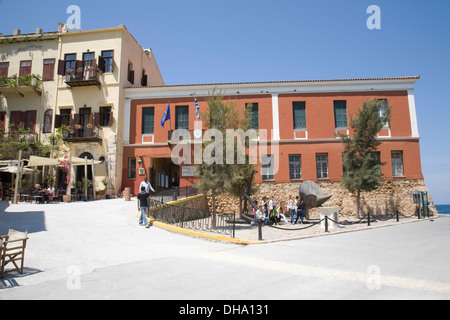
(142, 203)
(146, 185)
(301, 206)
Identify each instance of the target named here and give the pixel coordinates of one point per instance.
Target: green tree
(363, 166)
(218, 176)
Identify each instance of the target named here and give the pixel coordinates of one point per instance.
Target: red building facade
(302, 119)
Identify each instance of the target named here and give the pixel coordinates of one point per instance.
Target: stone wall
(391, 196)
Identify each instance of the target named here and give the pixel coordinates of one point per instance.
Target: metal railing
(174, 194)
(192, 218)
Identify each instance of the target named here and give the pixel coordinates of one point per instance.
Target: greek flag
(166, 116)
(197, 109)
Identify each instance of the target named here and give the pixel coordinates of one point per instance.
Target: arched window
(48, 120)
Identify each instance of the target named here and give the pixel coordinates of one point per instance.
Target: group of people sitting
(43, 195)
(271, 213)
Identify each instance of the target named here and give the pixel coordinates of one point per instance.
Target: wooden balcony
(80, 134)
(80, 73)
(83, 79)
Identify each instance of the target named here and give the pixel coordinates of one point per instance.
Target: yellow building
(76, 81)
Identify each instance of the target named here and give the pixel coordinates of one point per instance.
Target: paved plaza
(97, 250)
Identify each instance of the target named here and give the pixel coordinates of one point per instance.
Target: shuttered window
(49, 70)
(295, 166)
(299, 109)
(267, 167)
(340, 114)
(24, 120)
(131, 168)
(4, 66)
(322, 165)
(48, 121)
(397, 163)
(25, 68)
(182, 117)
(108, 60)
(148, 120)
(254, 115)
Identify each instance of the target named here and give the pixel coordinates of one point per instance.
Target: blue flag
(197, 109)
(166, 116)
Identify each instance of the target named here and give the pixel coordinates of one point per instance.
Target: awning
(40, 161)
(13, 169)
(8, 162)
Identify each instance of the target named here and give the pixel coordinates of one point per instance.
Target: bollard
(397, 216)
(234, 225)
(368, 219)
(326, 223)
(127, 194)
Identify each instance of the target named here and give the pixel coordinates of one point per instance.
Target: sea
(443, 208)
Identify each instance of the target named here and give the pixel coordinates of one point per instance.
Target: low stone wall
(195, 202)
(392, 195)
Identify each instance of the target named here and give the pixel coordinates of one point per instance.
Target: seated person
(51, 191)
(261, 217)
(274, 217)
(281, 214)
(37, 193)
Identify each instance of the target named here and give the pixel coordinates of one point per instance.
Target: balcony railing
(85, 74)
(21, 84)
(78, 133)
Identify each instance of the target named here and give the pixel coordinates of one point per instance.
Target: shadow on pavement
(33, 221)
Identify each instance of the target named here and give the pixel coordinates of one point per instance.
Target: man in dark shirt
(143, 206)
(301, 206)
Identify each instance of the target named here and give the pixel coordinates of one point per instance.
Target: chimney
(38, 31)
(62, 27)
(16, 32)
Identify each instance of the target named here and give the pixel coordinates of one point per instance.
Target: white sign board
(188, 171)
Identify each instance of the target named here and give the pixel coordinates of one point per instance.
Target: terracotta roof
(279, 82)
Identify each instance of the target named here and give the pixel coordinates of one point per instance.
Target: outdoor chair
(12, 250)
(54, 198)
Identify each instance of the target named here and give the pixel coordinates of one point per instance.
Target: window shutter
(33, 119)
(97, 119)
(79, 69)
(91, 121)
(101, 64)
(15, 117)
(111, 119)
(23, 120)
(76, 119)
(57, 121)
(61, 67)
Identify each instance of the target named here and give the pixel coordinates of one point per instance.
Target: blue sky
(201, 41)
